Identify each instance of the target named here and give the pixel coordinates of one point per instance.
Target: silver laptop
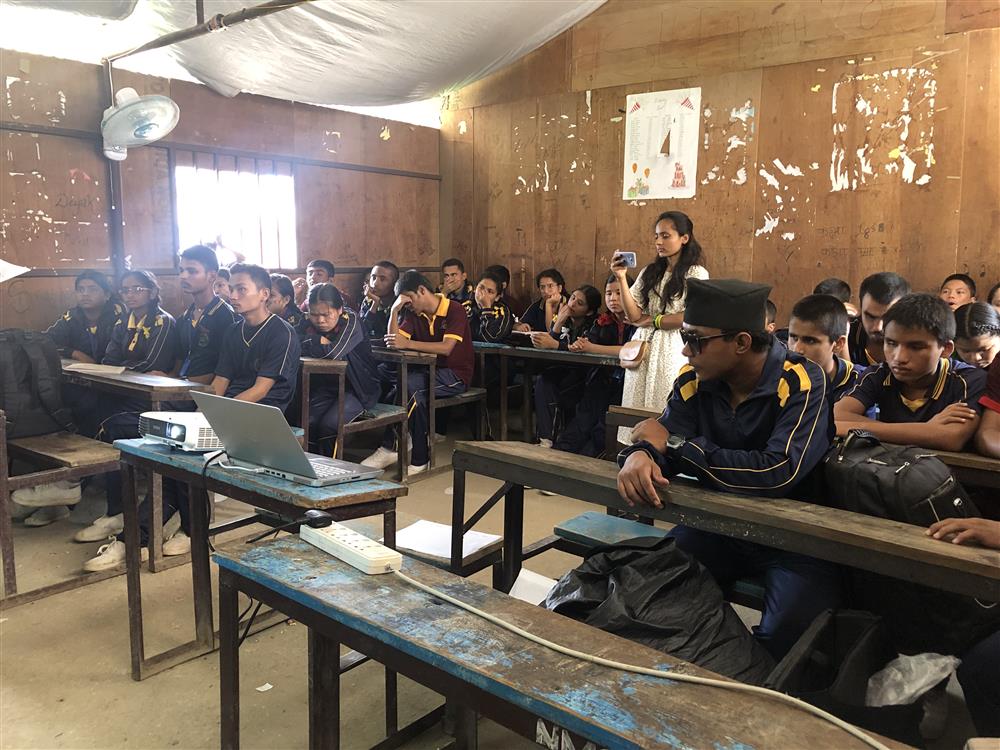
(257, 438)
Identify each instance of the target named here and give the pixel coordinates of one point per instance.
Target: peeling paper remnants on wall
(770, 222)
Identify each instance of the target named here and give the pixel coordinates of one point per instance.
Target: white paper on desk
(434, 539)
(531, 587)
(94, 368)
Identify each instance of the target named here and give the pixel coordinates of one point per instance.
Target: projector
(185, 430)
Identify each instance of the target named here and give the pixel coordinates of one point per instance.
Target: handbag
(633, 354)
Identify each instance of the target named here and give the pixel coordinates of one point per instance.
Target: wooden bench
(895, 549)
(62, 456)
(581, 534)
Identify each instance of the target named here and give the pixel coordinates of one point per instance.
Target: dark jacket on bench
(769, 446)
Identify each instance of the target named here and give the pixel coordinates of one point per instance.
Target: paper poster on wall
(661, 144)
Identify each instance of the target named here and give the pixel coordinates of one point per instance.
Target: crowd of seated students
(738, 396)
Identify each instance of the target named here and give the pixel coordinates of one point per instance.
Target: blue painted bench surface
(594, 529)
(612, 708)
(349, 493)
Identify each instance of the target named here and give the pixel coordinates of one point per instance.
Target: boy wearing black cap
(746, 415)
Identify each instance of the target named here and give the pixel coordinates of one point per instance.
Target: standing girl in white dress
(656, 306)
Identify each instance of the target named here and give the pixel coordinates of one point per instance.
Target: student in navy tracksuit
(83, 334)
(491, 319)
(542, 312)
(282, 302)
(818, 331)
(145, 340)
(584, 433)
(878, 293)
(378, 299)
(335, 332)
(455, 284)
(561, 386)
(748, 416)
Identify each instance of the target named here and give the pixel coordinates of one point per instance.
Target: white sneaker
(109, 556)
(547, 493)
(382, 458)
(45, 495)
(18, 511)
(439, 438)
(171, 526)
(45, 516)
(417, 469)
(178, 544)
(545, 442)
(102, 528)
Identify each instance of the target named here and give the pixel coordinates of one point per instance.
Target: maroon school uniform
(449, 321)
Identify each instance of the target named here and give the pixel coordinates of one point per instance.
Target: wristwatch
(674, 445)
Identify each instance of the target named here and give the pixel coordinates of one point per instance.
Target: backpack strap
(47, 384)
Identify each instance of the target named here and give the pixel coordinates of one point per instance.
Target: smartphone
(627, 258)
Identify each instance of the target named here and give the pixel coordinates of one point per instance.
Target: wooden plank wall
(359, 197)
(532, 156)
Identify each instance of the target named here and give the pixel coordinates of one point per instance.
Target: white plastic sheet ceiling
(356, 52)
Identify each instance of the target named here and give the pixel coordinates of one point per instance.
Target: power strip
(353, 548)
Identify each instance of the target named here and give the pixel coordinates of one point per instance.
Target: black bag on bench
(902, 483)
(651, 592)
(30, 384)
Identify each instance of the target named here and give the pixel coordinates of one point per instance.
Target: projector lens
(176, 432)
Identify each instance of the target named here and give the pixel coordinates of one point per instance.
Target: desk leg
(201, 576)
(304, 415)
(324, 692)
(338, 444)
(6, 530)
(229, 662)
(527, 430)
(513, 532)
(389, 529)
(391, 708)
(403, 386)
(431, 413)
(457, 520)
(130, 514)
(504, 396)
(155, 522)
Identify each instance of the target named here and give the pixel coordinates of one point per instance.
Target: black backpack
(30, 384)
(902, 483)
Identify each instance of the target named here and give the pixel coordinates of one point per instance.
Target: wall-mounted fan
(136, 121)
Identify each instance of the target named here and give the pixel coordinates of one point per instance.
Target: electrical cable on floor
(677, 676)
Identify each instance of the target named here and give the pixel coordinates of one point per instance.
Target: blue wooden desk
(557, 701)
(273, 494)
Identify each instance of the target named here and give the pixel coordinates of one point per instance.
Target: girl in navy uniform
(282, 302)
(83, 332)
(977, 334)
(491, 319)
(541, 312)
(584, 434)
(562, 385)
(335, 332)
(144, 340)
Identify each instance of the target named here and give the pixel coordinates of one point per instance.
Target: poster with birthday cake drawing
(661, 144)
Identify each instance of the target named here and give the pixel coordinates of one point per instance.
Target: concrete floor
(64, 661)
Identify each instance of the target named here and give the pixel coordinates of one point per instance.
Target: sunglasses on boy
(694, 342)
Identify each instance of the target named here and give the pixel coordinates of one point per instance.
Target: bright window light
(243, 214)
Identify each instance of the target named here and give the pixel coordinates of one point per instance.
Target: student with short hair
(541, 312)
(746, 415)
(841, 290)
(334, 331)
(502, 273)
(423, 321)
(923, 397)
(145, 340)
(957, 290)
(260, 354)
(491, 318)
(559, 387)
(455, 284)
(318, 271)
(818, 331)
(282, 302)
(81, 334)
(879, 292)
(378, 299)
(770, 321)
(584, 433)
(221, 286)
(977, 334)
(204, 324)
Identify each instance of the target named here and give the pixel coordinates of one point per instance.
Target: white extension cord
(677, 676)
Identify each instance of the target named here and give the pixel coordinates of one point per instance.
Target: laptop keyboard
(325, 471)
